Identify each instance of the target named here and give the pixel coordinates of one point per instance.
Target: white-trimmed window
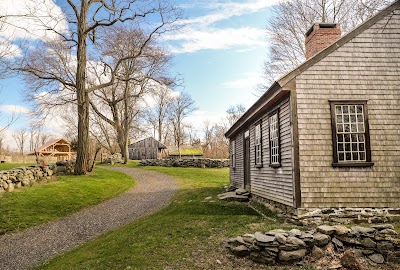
(350, 133)
(258, 145)
(274, 140)
(233, 154)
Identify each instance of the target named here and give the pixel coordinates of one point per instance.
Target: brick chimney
(320, 36)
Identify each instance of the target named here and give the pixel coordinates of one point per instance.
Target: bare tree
(7, 49)
(20, 138)
(181, 107)
(208, 136)
(234, 113)
(292, 18)
(64, 67)
(104, 134)
(158, 116)
(121, 101)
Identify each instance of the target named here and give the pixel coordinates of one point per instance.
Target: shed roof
(276, 87)
(50, 143)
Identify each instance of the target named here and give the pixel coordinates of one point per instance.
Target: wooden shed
(148, 148)
(327, 134)
(59, 148)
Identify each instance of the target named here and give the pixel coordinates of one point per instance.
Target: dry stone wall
(24, 177)
(379, 244)
(194, 162)
(333, 215)
(16, 178)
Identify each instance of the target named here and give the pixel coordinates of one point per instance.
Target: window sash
(274, 139)
(258, 144)
(350, 132)
(233, 154)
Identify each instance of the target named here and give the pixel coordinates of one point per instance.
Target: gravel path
(23, 250)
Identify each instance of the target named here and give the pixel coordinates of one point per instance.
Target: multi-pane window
(350, 133)
(258, 144)
(233, 154)
(274, 145)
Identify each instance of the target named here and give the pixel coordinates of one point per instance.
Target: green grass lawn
(48, 201)
(187, 234)
(8, 166)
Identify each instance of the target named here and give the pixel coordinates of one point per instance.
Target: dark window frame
(336, 163)
(258, 165)
(233, 154)
(279, 163)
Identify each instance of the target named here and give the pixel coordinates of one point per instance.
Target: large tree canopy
(65, 63)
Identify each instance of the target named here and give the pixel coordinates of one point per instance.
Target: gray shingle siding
(367, 67)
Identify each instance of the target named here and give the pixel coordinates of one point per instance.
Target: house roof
(50, 143)
(276, 88)
(160, 145)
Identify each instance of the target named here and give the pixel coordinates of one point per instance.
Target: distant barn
(148, 148)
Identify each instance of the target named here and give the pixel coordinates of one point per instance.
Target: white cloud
(197, 118)
(194, 39)
(247, 80)
(14, 109)
(30, 19)
(226, 10)
(201, 33)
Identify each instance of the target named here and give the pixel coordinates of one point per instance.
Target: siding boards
(148, 148)
(274, 183)
(237, 173)
(367, 67)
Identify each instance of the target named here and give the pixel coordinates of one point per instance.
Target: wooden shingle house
(148, 148)
(327, 134)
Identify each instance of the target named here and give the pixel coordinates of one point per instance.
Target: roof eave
(274, 88)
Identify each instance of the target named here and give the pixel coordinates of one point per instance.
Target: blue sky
(219, 54)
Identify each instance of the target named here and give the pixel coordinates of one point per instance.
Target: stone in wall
(379, 244)
(66, 167)
(114, 158)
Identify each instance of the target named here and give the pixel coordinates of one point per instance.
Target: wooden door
(247, 181)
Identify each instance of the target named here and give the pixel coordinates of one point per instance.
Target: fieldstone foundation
(334, 215)
(379, 244)
(346, 215)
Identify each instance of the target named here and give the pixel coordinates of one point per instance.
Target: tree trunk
(82, 96)
(122, 141)
(93, 161)
(159, 128)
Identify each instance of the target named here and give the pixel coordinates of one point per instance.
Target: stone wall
(346, 216)
(24, 177)
(115, 158)
(338, 215)
(30, 175)
(379, 244)
(193, 162)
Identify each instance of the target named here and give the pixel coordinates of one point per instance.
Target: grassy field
(8, 166)
(48, 201)
(187, 234)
